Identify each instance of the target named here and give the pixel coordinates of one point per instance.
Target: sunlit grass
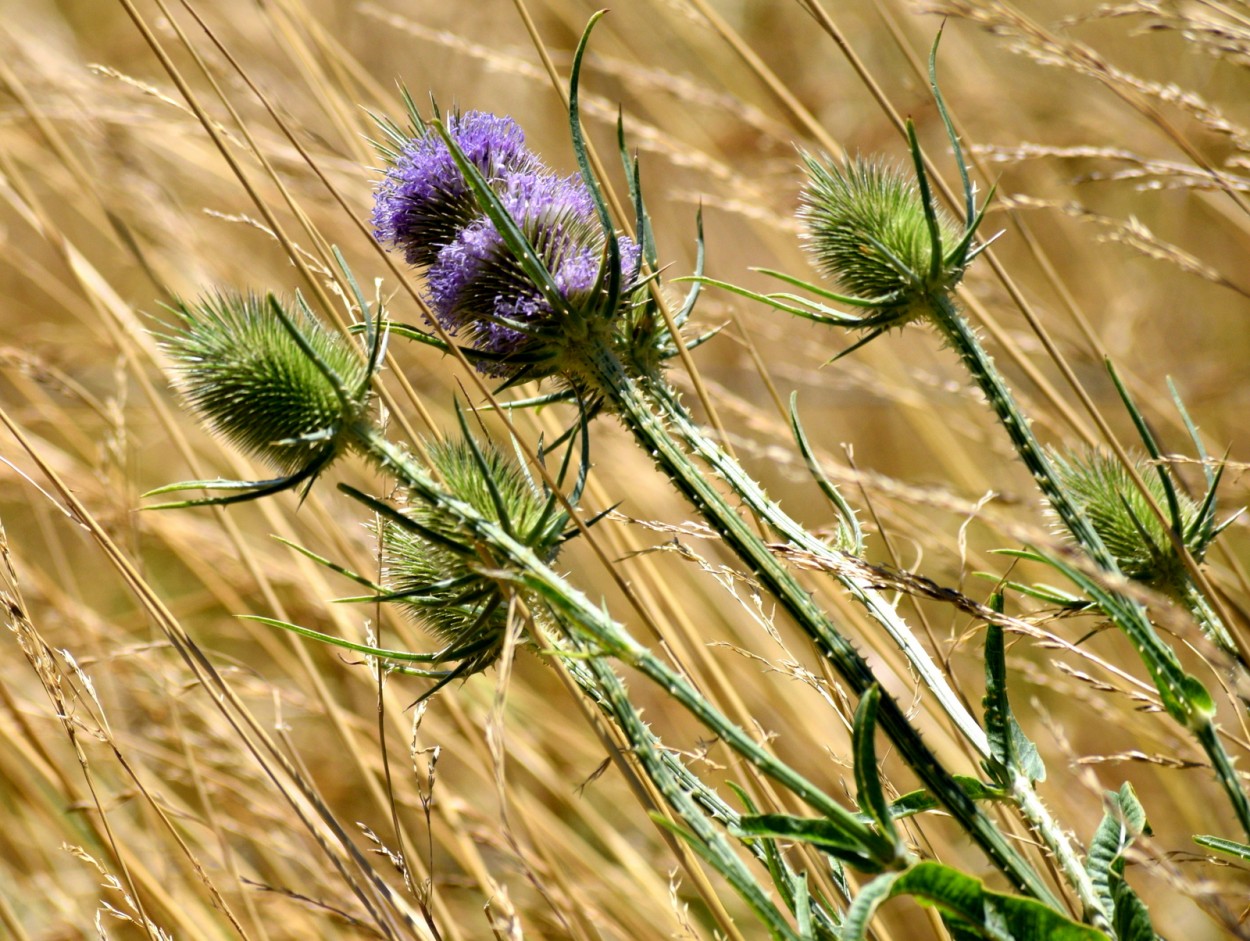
(172, 766)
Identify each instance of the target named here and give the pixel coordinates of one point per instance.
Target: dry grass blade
(169, 770)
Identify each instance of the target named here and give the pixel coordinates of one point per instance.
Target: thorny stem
(1181, 693)
(606, 690)
(645, 413)
(1023, 792)
(529, 571)
(711, 842)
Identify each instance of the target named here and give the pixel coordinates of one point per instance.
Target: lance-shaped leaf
(868, 791)
(1124, 822)
(1011, 751)
(966, 902)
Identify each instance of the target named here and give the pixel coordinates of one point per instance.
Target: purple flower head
(423, 201)
(477, 287)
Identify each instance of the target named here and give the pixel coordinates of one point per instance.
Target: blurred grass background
(167, 767)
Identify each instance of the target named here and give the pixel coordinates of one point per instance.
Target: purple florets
(423, 200)
(476, 287)
(476, 274)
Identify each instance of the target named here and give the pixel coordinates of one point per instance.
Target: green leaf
(868, 792)
(821, 832)
(1131, 920)
(1220, 845)
(966, 902)
(1124, 822)
(793, 888)
(802, 907)
(1148, 439)
(959, 929)
(917, 802)
(1197, 696)
(870, 898)
(1011, 750)
(754, 895)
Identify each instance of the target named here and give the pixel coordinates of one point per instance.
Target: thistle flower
(478, 288)
(437, 571)
(1103, 490)
(278, 385)
(867, 230)
(423, 201)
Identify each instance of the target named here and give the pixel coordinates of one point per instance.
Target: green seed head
(447, 575)
(254, 383)
(1101, 487)
(867, 231)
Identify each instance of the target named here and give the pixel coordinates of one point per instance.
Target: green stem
(1184, 697)
(1025, 796)
(639, 412)
(607, 691)
(881, 610)
(530, 572)
(1196, 604)
(708, 841)
(1032, 809)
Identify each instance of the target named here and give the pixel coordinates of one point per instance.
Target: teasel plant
(462, 551)
(529, 279)
(518, 273)
(878, 231)
(466, 547)
(470, 545)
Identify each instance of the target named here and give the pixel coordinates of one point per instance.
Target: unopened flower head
(255, 385)
(1103, 490)
(867, 230)
(477, 288)
(440, 566)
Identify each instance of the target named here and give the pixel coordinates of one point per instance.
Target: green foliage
(828, 835)
(1123, 823)
(1221, 845)
(868, 791)
(1011, 751)
(966, 902)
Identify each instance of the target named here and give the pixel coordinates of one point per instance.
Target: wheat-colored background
(214, 797)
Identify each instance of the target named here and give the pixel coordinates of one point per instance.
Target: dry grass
(168, 769)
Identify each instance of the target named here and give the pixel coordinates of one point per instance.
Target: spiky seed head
(248, 378)
(867, 231)
(1103, 490)
(443, 566)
